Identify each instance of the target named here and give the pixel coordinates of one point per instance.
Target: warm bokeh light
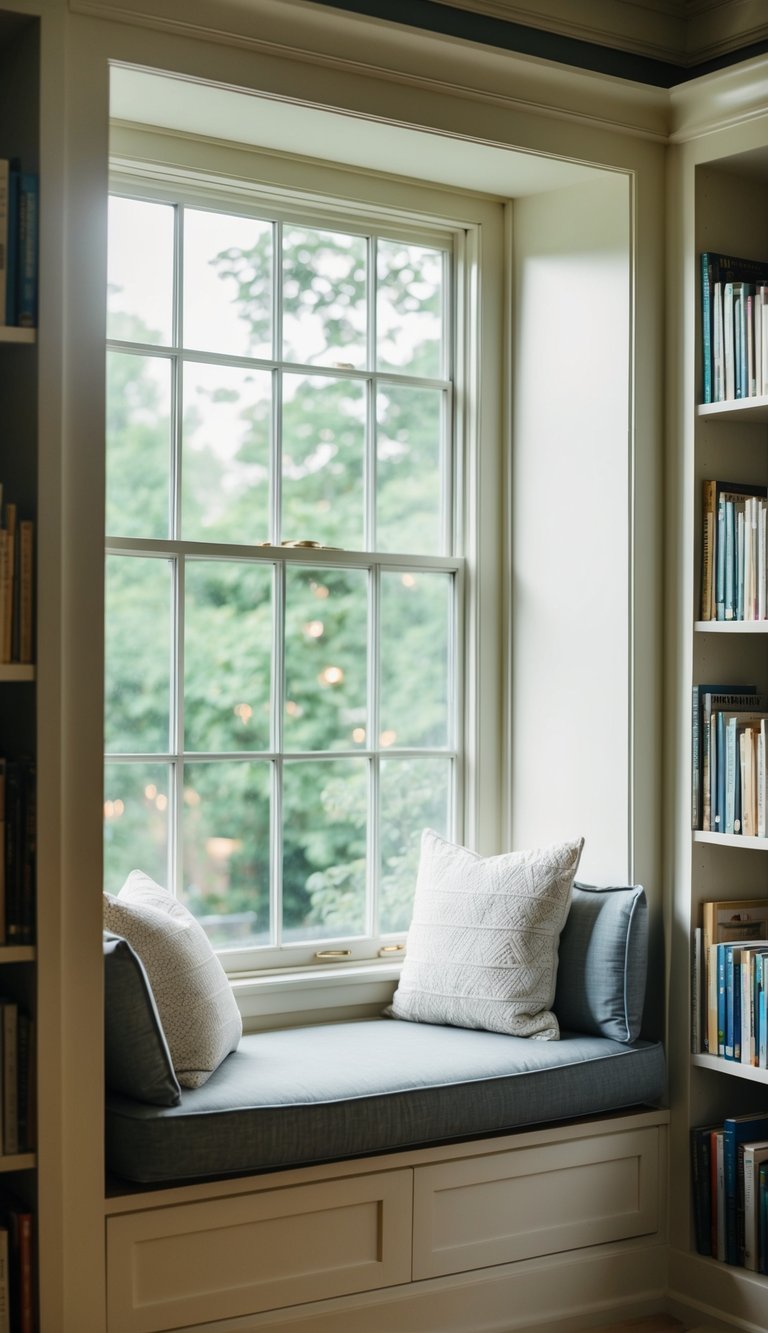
(161, 801)
(150, 791)
(358, 735)
(244, 712)
(314, 629)
(387, 738)
(220, 849)
(320, 590)
(332, 675)
(191, 797)
(408, 581)
(293, 709)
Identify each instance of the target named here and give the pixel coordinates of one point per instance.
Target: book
(26, 591)
(717, 1151)
(701, 1176)
(28, 247)
(12, 253)
(705, 699)
(697, 1002)
(10, 1072)
(754, 1154)
(5, 1283)
(762, 1208)
(737, 1130)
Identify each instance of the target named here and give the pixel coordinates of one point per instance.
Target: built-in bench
(317, 1163)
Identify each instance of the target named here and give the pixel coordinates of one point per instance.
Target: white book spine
(754, 1155)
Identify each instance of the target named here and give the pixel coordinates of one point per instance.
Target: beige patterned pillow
(194, 999)
(482, 945)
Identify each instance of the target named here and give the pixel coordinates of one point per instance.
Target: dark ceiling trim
(471, 26)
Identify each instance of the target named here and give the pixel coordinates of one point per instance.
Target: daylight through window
(283, 589)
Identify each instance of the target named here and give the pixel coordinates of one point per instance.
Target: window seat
(307, 1095)
(350, 1175)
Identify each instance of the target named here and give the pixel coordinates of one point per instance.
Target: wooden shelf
(15, 671)
(731, 626)
(23, 1161)
(732, 840)
(17, 953)
(10, 333)
(732, 1067)
(738, 409)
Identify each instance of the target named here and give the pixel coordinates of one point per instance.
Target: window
(284, 599)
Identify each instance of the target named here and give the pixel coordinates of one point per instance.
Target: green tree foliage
(229, 604)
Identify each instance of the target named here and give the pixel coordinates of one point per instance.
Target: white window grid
(179, 552)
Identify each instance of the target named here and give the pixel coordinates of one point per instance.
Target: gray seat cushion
(314, 1094)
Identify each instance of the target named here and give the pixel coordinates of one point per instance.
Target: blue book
(12, 248)
(736, 1130)
(762, 1014)
(701, 766)
(720, 561)
(720, 760)
(28, 243)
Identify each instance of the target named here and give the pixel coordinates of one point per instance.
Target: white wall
(571, 476)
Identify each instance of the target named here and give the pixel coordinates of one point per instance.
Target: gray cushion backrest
(603, 963)
(137, 1059)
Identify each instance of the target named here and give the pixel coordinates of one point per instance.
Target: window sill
(315, 995)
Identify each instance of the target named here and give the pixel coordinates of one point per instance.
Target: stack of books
(734, 583)
(730, 1190)
(729, 981)
(729, 760)
(18, 244)
(734, 322)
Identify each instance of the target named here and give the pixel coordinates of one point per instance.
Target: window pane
(324, 296)
(410, 309)
(138, 655)
(226, 850)
(140, 271)
(225, 453)
(414, 794)
(326, 637)
(227, 655)
(325, 810)
(137, 807)
(323, 458)
(409, 504)
(415, 654)
(138, 445)
(227, 284)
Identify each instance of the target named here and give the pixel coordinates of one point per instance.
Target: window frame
(151, 163)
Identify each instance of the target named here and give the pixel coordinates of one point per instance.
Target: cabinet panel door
(226, 1257)
(534, 1201)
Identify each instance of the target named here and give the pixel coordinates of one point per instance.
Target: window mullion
(176, 794)
(278, 714)
(370, 424)
(374, 677)
(276, 450)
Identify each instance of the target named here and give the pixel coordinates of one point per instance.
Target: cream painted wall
(571, 468)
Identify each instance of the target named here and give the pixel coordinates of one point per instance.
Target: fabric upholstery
(194, 999)
(288, 1098)
(137, 1059)
(603, 962)
(482, 947)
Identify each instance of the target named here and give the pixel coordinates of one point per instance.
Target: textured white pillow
(194, 999)
(482, 945)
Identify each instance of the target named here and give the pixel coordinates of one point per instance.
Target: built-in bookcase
(727, 207)
(19, 387)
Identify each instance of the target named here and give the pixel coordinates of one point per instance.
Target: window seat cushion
(290, 1098)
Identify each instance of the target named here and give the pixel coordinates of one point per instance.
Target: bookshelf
(724, 193)
(19, 472)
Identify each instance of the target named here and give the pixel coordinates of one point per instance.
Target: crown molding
(731, 97)
(355, 44)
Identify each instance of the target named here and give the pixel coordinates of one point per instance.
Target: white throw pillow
(194, 999)
(482, 945)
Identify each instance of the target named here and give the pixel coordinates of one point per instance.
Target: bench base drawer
(186, 1264)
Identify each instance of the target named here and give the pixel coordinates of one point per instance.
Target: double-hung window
(284, 599)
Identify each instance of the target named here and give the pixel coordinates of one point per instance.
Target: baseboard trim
(724, 1294)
